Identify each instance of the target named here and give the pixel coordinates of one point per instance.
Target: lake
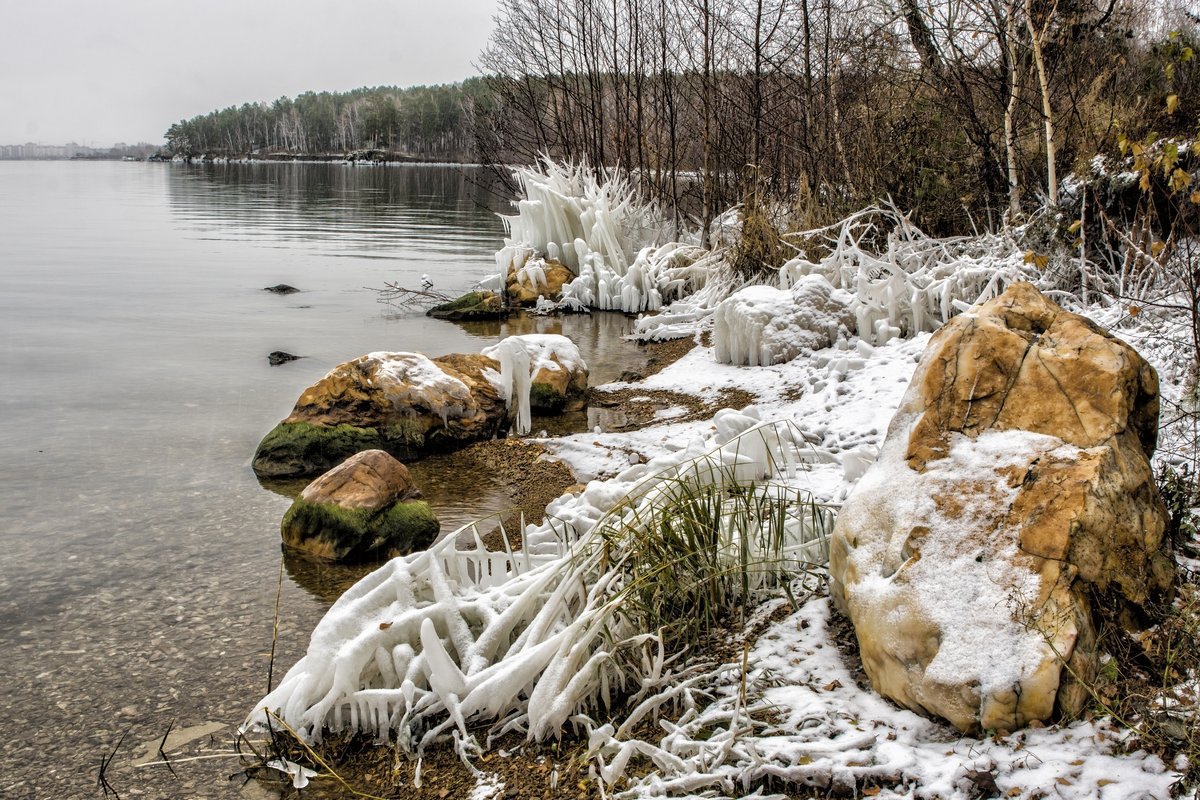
(141, 557)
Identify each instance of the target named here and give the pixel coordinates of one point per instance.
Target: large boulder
(536, 278)
(365, 508)
(410, 405)
(404, 403)
(1011, 516)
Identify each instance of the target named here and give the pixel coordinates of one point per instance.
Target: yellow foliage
(1179, 180)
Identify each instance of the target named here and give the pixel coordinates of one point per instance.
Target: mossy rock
(545, 399)
(329, 531)
(471, 306)
(298, 448)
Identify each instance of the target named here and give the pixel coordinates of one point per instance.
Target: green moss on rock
(543, 399)
(329, 531)
(299, 448)
(473, 305)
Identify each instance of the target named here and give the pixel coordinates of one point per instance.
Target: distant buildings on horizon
(34, 151)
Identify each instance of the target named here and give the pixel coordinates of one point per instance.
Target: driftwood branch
(402, 297)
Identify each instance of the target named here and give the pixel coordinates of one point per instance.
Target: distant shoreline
(367, 158)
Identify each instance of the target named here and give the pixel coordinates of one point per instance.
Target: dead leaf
(383, 626)
(829, 687)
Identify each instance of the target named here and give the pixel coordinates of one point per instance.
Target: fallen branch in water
(395, 295)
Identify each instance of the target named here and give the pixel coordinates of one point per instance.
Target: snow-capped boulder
(761, 325)
(404, 403)
(1011, 514)
(540, 373)
(536, 277)
(408, 404)
(364, 508)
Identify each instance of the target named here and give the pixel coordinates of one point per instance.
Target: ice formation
(916, 283)
(604, 234)
(515, 380)
(763, 325)
(521, 359)
(530, 640)
(565, 211)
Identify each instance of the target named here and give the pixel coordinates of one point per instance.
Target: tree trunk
(1035, 37)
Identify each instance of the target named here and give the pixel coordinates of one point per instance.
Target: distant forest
(960, 111)
(422, 122)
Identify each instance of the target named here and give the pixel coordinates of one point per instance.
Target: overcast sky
(100, 72)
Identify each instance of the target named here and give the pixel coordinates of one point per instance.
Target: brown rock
(365, 508)
(368, 480)
(559, 388)
(1011, 515)
(524, 291)
(420, 402)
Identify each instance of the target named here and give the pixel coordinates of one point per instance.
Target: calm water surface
(139, 557)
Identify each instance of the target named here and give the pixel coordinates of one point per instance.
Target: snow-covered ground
(825, 729)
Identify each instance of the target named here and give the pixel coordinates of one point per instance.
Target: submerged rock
(1011, 516)
(281, 288)
(277, 357)
(364, 508)
(471, 306)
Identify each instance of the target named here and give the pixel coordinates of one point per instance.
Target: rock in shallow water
(408, 405)
(471, 306)
(1011, 514)
(404, 403)
(365, 508)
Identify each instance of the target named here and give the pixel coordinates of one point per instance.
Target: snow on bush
(763, 325)
(436, 640)
(904, 282)
(521, 358)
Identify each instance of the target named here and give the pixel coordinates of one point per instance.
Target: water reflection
(324, 580)
(342, 210)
